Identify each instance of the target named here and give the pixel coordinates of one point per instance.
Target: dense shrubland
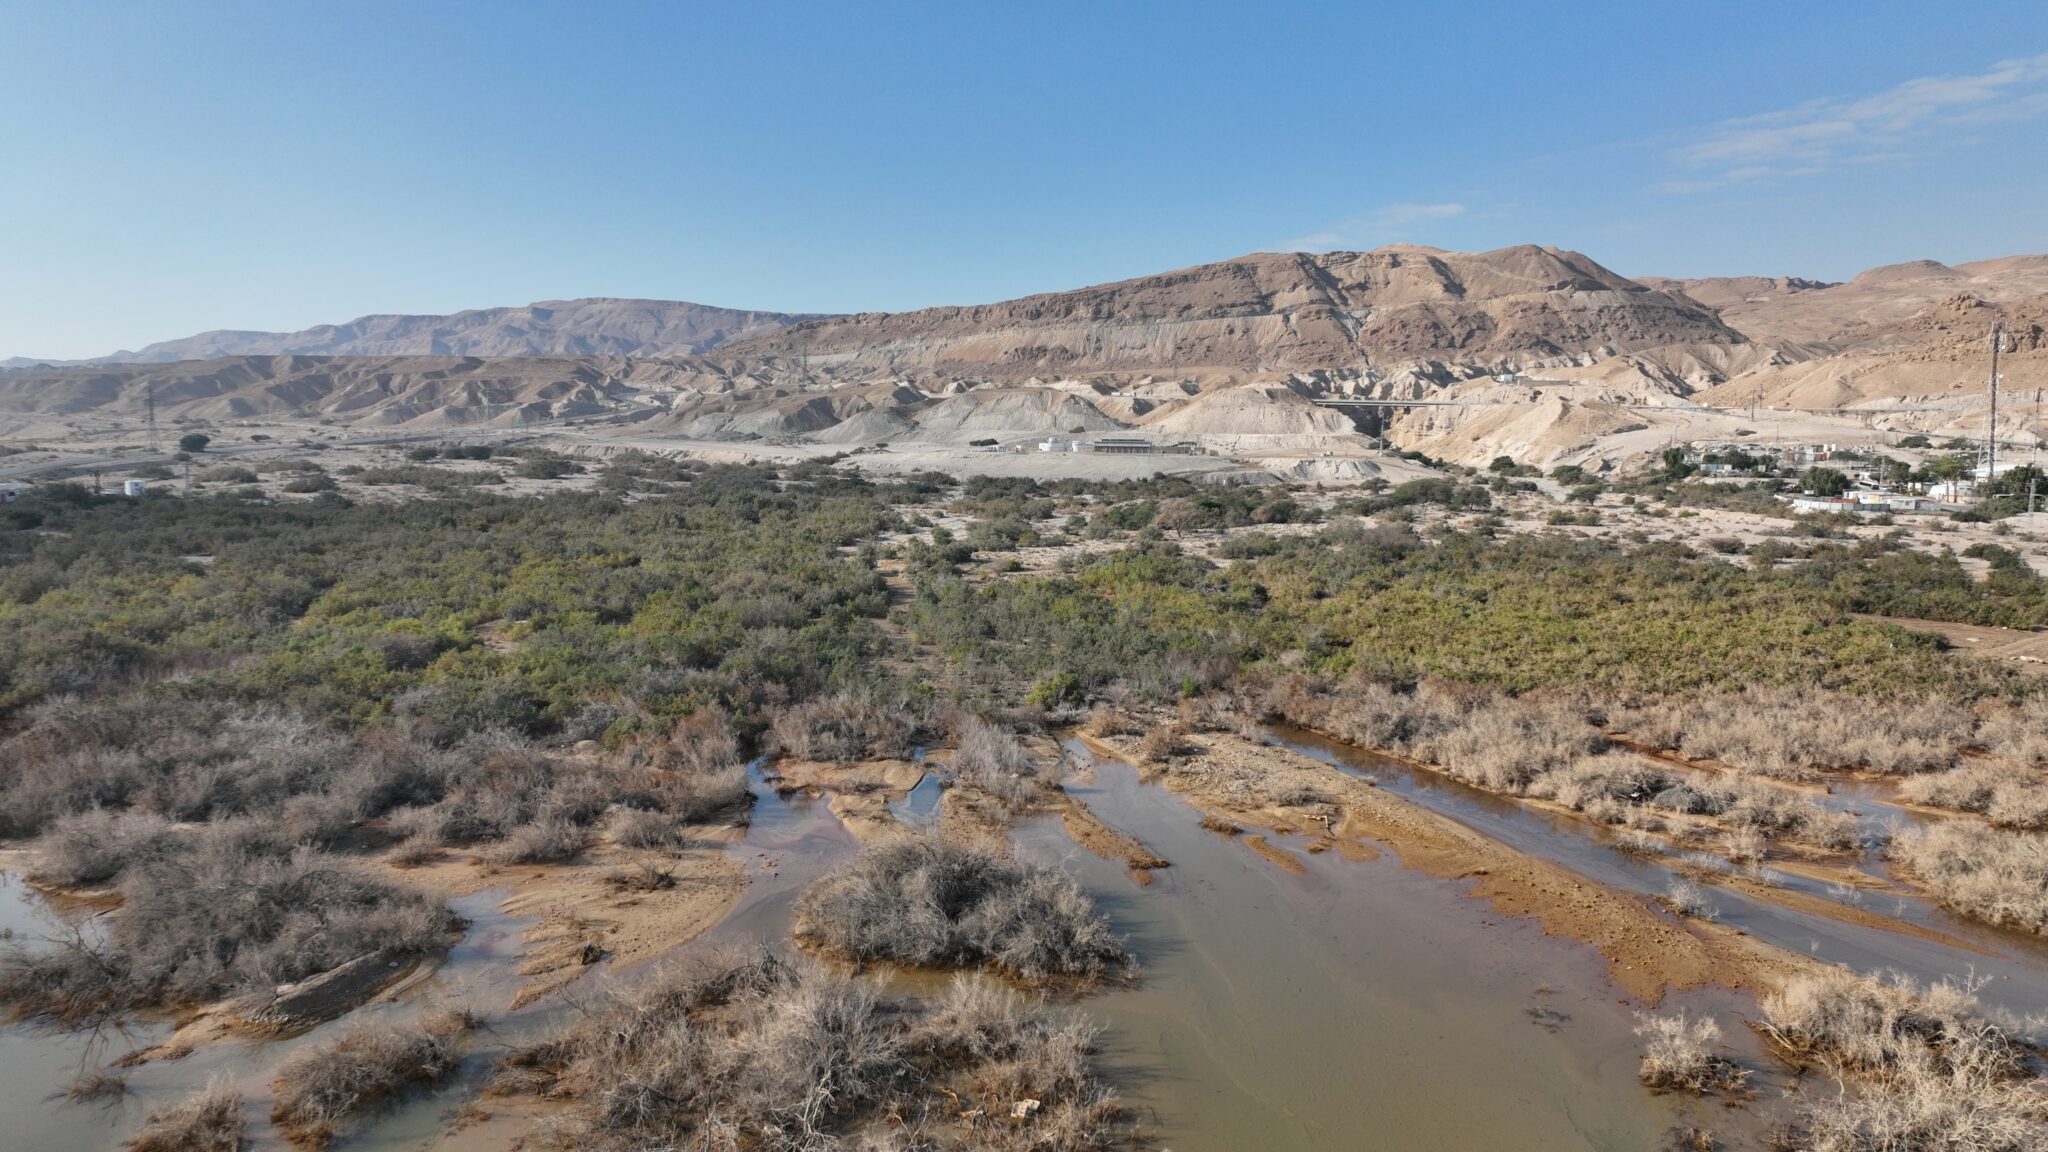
(216, 740)
(1881, 577)
(210, 704)
(765, 1053)
(464, 612)
(1521, 613)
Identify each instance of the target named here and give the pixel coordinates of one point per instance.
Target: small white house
(1804, 503)
(134, 487)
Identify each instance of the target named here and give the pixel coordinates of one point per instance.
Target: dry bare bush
(1678, 1054)
(1208, 713)
(174, 756)
(529, 806)
(1162, 742)
(641, 828)
(989, 758)
(1994, 875)
(1744, 846)
(1376, 715)
(2015, 734)
(232, 908)
(2008, 797)
(2020, 808)
(1780, 814)
(1237, 782)
(693, 773)
(763, 1053)
(209, 1120)
(1554, 749)
(545, 841)
(932, 904)
(1009, 1054)
(102, 776)
(1507, 745)
(703, 741)
(1637, 843)
(1797, 733)
(642, 876)
(96, 1086)
(1688, 898)
(1476, 735)
(847, 728)
(91, 848)
(320, 1090)
(697, 797)
(1105, 720)
(1929, 1069)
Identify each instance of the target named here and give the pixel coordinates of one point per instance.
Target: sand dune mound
(1269, 410)
(877, 426)
(1547, 427)
(778, 412)
(1010, 412)
(793, 417)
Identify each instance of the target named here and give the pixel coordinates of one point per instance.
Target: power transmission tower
(149, 398)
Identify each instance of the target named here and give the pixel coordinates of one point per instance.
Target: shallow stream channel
(1353, 1004)
(2012, 965)
(1356, 1005)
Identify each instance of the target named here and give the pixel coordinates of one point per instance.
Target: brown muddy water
(790, 842)
(2012, 964)
(36, 1063)
(1355, 1006)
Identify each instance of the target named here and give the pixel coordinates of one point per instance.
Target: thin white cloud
(1822, 134)
(1383, 225)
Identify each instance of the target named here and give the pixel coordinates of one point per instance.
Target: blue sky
(172, 167)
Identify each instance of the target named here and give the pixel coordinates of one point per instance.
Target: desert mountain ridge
(1857, 313)
(595, 326)
(1274, 313)
(1535, 352)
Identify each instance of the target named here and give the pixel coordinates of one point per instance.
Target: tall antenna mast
(1991, 445)
(155, 445)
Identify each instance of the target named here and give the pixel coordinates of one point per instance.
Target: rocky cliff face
(1273, 313)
